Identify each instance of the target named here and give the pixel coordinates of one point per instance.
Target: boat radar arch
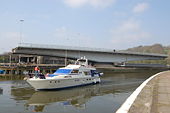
(82, 61)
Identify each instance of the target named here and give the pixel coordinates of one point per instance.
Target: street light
(21, 21)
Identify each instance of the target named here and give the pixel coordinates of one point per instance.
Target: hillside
(156, 48)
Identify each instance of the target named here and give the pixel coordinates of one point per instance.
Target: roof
(71, 66)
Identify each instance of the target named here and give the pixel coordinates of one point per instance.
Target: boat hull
(56, 84)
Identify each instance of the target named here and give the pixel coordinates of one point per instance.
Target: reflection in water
(1, 91)
(20, 90)
(75, 97)
(38, 108)
(114, 86)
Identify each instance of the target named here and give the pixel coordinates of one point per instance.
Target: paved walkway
(154, 97)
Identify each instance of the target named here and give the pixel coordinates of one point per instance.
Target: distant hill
(156, 48)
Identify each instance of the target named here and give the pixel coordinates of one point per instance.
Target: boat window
(87, 72)
(63, 71)
(75, 72)
(80, 72)
(93, 72)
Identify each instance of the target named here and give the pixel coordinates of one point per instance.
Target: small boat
(72, 75)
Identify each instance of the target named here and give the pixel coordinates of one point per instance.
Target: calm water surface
(16, 96)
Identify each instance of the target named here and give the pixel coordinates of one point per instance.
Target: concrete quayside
(152, 96)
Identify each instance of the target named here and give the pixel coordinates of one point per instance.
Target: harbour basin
(17, 96)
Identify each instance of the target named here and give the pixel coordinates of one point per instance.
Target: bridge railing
(63, 47)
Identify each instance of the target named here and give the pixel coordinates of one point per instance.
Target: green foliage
(4, 59)
(156, 48)
(1, 59)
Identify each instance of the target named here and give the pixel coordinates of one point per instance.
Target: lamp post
(78, 36)
(65, 57)
(21, 21)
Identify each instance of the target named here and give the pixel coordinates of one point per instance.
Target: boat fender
(100, 74)
(94, 81)
(25, 78)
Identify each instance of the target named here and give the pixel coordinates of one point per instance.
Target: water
(17, 96)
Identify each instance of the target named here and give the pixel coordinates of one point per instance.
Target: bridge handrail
(61, 47)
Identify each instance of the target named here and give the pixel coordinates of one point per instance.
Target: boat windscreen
(63, 71)
(2, 71)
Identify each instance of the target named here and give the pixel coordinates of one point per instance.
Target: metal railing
(62, 47)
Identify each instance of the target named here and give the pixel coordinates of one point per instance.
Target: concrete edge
(130, 100)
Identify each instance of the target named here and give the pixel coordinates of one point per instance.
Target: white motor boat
(72, 75)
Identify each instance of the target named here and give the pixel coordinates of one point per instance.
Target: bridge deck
(92, 54)
(72, 48)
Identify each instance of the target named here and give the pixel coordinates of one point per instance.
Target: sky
(111, 24)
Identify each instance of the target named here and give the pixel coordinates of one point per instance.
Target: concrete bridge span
(93, 54)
